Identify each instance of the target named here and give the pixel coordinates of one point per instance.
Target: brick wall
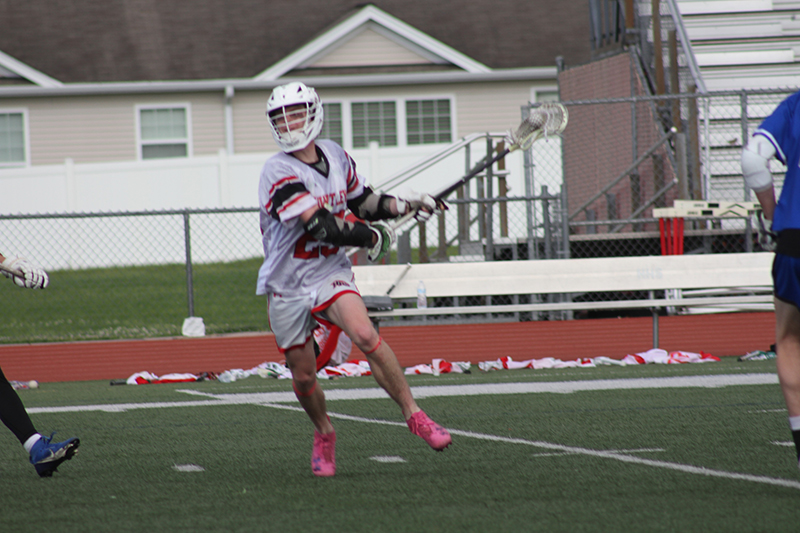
(598, 144)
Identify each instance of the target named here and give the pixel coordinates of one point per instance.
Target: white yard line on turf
(434, 391)
(574, 450)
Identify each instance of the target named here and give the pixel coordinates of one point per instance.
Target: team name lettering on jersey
(333, 201)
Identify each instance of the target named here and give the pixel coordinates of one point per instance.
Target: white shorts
(293, 318)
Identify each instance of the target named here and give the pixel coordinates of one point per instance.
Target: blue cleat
(47, 455)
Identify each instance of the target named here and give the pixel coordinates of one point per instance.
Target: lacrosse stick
(548, 119)
(399, 278)
(11, 270)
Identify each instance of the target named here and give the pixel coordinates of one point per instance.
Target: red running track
(720, 334)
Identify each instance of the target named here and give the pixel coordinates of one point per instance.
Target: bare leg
(303, 365)
(349, 313)
(787, 326)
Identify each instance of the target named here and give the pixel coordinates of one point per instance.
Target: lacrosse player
(779, 230)
(45, 455)
(306, 275)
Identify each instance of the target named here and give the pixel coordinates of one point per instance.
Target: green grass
(257, 475)
(137, 302)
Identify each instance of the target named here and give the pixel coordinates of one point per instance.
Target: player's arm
(326, 227)
(767, 200)
(756, 172)
(373, 206)
(757, 176)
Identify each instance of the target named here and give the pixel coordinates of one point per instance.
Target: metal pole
(502, 191)
(527, 158)
(548, 244)
(682, 163)
(189, 281)
(634, 133)
(748, 229)
(489, 254)
(674, 80)
(464, 209)
(694, 144)
(655, 323)
(565, 222)
(658, 52)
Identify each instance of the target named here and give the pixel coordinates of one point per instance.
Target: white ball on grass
(33, 384)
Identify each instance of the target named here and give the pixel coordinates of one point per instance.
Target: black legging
(12, 412)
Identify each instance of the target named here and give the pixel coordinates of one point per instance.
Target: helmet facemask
(295, 116)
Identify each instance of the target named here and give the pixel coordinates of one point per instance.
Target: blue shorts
(786, 277)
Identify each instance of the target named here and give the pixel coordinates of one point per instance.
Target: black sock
(796, 437)
(12, 412)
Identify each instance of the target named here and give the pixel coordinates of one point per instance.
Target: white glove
(767, 238)
(386, 238)
(32, 277)
(423, 204)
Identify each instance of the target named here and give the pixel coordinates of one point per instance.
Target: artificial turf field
(639, 448)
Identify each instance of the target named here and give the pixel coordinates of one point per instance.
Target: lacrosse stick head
(548, 119)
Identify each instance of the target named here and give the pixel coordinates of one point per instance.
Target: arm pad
(325, 227)
(755, 163)
(371, 206)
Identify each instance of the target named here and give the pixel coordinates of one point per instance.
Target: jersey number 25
(308, 247)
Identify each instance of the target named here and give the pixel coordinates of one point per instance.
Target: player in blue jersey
(779, 137)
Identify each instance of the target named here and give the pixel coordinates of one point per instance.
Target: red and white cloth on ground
(654, 356)
(439, 366)
(360, 367)
(357, 367)
(659, 356)
(507, 363)
(144, 378)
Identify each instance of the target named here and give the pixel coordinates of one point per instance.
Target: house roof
(85, 41)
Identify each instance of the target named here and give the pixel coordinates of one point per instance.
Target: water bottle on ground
(422, 297)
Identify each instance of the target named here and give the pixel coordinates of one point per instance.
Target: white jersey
(294, 262)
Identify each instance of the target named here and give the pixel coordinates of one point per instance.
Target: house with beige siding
(140, 105)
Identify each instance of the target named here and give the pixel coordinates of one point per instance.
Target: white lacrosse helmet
(294, 129)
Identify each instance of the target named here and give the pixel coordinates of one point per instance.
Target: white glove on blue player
(423, 204)
(32, 276)
(767, 238)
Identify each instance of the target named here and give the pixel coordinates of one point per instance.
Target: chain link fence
(134, 274)
(590, 193)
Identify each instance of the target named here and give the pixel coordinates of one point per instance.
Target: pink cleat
(435, 435)
(323, 458)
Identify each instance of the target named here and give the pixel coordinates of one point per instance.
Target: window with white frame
(428, 121)
(544, 95)
(374, 121)
(13, 145)
(332, 124)
(164, 131)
